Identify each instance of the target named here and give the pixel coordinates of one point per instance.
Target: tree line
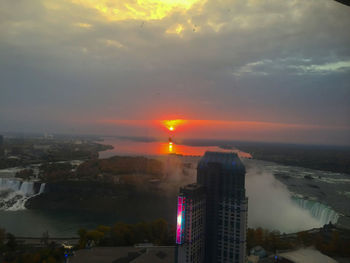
(332, 241)
(158, 232)
(11, 251)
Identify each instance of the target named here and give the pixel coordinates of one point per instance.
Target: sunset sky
(266, 70)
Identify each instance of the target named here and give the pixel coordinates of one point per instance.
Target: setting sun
(172, 124)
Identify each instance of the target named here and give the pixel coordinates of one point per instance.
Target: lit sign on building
(180, 226)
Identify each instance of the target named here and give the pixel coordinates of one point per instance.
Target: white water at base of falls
(322, 212)
(15, 193)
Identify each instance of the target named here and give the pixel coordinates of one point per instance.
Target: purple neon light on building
(180, 220)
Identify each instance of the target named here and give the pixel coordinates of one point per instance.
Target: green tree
(122, 234)
(141, 232)
(82, 237)
(2, 237)
(45, 238)
(250, 238)
(305, 238)
(94, 235)
(259, 236)
(333, 245)
(51, 259)
(104, 229)
(11, 242)
(160, 231)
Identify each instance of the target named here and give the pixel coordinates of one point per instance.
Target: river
(277, 203)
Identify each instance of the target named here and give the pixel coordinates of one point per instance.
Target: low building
(305, 255)
(190, 229)
(252, 259)
(258, 251)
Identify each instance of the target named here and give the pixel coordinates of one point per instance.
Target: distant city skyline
(257, 70)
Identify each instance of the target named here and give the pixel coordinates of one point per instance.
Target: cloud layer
(67, 64)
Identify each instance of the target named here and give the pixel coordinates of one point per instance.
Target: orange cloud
(217, 124)
(138, 10)
(224, 130)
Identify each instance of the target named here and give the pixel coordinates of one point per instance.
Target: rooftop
(229, 160)
(307, 255)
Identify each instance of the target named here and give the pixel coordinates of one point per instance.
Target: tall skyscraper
(223, 176)
(191, 224)
(221, 179)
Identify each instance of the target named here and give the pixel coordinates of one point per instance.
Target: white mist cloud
(269, 201)
(178, 173)
(270, 205)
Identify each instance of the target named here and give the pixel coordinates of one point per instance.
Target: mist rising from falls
(14, 193)
(323, 213)
(270, 203)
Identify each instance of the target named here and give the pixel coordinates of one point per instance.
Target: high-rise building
(190, 232)
(221, 178)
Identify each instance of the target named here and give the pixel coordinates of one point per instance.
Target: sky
(261, 70)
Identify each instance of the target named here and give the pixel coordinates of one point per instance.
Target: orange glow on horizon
(172, 124)
(215, 129)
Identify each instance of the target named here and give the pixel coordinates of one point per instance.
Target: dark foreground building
(212, 214)
(191, 224)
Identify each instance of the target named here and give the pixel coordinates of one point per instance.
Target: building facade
(190, 232)
(222, 177)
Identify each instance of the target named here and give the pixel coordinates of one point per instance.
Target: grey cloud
(254, 60)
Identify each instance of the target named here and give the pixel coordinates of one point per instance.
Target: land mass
(116, 185)
(325, 158)
(24, 151)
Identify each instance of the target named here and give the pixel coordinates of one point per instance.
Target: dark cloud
(273, 61)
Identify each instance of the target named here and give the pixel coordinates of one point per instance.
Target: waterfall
(323, 213)
(27, 188)
(14, 193)
(42, 188)
(10, 184)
